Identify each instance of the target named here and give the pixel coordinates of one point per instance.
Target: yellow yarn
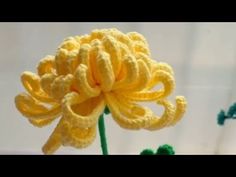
(105, 68)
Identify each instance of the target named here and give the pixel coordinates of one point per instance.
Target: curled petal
(83, 55)
(54, 141)
(100, 34)
(105, 71)
(81, 113)
(46, 65)
(164, 67)
(167, 80)
(97, 34)
(116, 34)
(135, 118)
(83, 58)
(124, 50)
(61, 86)
(66, 57)
(31, 83)
(131, 72)
(96, 48)
(165, 119)
(131, 109)
(161, 77)
(125, 53)
(61, 61)
(137, 37)
(180, 109)
(158, 67)
(46, 81)
(113, 49)
(146, 59)
(41, 122)
(72, 61)
(124, 39)
(32, 108)
(70, 44)
(141, 47)
(85, 39)
(81, 80)
(77, 38)
(78, 137)
(142, 80)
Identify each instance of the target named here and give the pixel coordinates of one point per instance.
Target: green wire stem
(102, 133)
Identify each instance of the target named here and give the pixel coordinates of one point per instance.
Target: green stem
(102, 133)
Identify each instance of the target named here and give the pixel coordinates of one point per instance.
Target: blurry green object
(231, 114)
(232, 110)
(106, 110)
(165, 150)
(221, 117)
(162, 150)
(147, 152)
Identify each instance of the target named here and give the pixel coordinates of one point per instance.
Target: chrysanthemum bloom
(106, 68)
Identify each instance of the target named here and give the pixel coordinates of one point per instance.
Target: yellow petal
(137, 37)
(142, 80)
(70, 44)
(105, 71)
(165, 119)
(33, 109)
(41, 122)
(66, 57)
(83, 55)
(123, 39)
(111, 47)
(31, 83)
(97, 34)
(81, 113)
(46, 83)
(164, 67)
(78, 137)
(160, 66)
(96, 48)
(82, 84)
(146, 59)
(141, 47)
(61, 86)
(131, 109)
(46, 65)
(124, 50)
(160, 77)
(83, 58)
(61, 61)
(72, 61)
(131, 73)
(85, 39)
(54, 141)
(135, 118)
(181, 105)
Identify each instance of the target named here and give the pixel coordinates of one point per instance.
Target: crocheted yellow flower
(106, 68)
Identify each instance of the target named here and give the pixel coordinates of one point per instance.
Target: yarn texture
(105, 69)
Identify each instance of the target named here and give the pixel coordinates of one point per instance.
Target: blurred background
(201, 54)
